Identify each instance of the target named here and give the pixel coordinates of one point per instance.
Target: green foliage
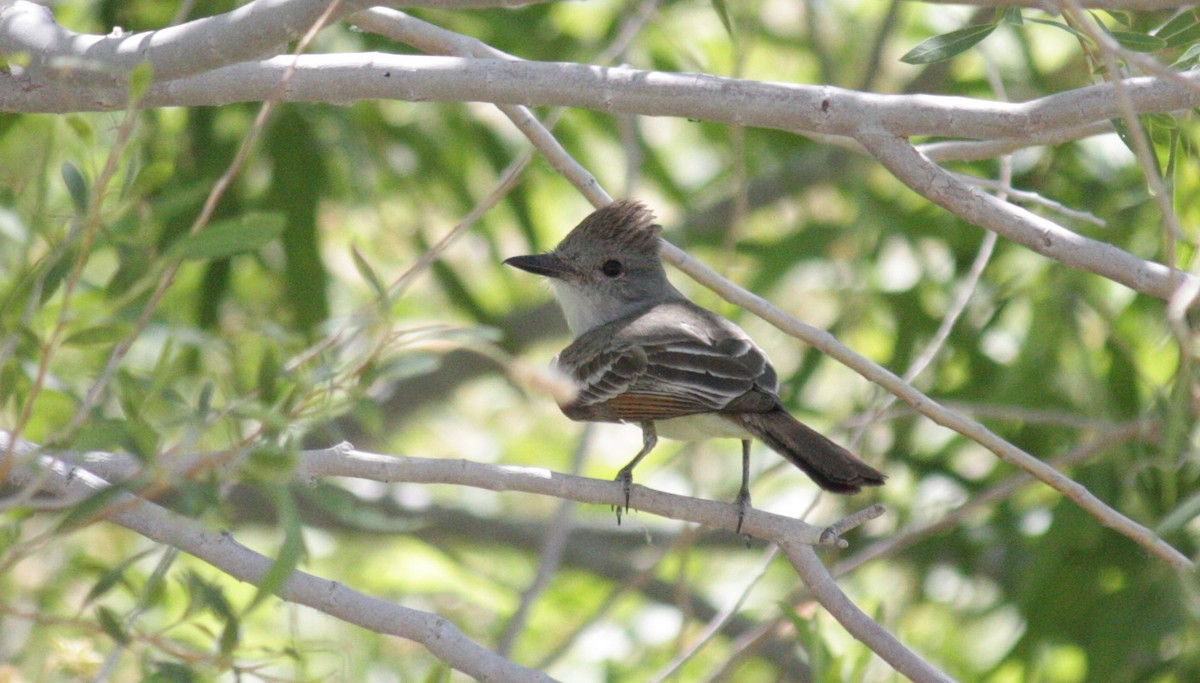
(948, 45)
(278, 325)
(76, 185)
(1180, 30)
(227, 238)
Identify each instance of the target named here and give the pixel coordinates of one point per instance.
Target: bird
(646, 355)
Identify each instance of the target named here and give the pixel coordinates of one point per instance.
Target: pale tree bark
(234, 58)
(57, 479)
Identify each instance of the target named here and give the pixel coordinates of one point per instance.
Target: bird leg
(743, 497)
(625, 476)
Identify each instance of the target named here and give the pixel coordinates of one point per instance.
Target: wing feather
(631, 371)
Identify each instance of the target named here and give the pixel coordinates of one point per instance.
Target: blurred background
(281, 337)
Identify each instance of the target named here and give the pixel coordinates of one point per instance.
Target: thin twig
(86, 229)
(911, 535)
(1034, 198)
(552, 552)
(888, 149)
(344, 461)
(1133, 125)
(858, 623)
(925, 405)
(1002, 491)
(718, 621)
(436, 633)
(635, 582)
(95, 392)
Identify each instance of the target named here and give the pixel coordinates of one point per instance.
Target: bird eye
(612, 268)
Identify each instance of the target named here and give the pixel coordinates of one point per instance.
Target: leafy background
(274, 334)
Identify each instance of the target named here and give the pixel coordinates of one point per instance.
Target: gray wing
(643, 370)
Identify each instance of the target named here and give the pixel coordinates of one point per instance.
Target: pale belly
(699, 427)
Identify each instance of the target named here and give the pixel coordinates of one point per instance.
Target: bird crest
(626, 223)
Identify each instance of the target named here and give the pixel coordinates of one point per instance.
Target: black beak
(539, 264)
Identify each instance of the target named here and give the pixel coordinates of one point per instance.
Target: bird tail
(832, 467)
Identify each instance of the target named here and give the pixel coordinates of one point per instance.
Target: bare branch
(975, 150)
(908, 536)
(585, 182)
(345, 461)
(718, 621)
(552, 553)
(347, 78)
(874, 120)
(861, 626)
(252, 31)
(436, 40)
(436, 633)
(1033, 198)
(854, 520)
(911, 535)
(73, 477)
(1017, 224)
(925, 405)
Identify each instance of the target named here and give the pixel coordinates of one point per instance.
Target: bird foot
(625, 478)
(743, 503)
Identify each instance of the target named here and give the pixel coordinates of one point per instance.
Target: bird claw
(743, 503)
(625, 477)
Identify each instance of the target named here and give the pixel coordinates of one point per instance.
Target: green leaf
(1122, 131)
(106, 582)
(808, 634)
(204, 594)
(268, 376)
(99, 334)
(1164, 120)
(76, 186)
(1188, 510)
(1125, 136)
(1122, 18)
(722, 11)
(290, 551)
(226, 238)
(81, 127)
(57, 272)
(1139, 42)
(12, 384)
(230, 636)
(1181, 30)
(89, 510)
(171, 672)
(111, 623)
(1012, 16)
(204, 399)
(1173, 152)
(948, 45)
(1188, 59)
(134, 263)
(1058, 24)
(270, 463)
(368, 273)
(141, 439)
(132, 170)
(404, 366)
(100, 434)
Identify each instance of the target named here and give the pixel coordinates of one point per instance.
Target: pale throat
(585, 312)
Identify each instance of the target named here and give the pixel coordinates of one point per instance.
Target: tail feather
(832, 467)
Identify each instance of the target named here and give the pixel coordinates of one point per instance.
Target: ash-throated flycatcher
(645, 354)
